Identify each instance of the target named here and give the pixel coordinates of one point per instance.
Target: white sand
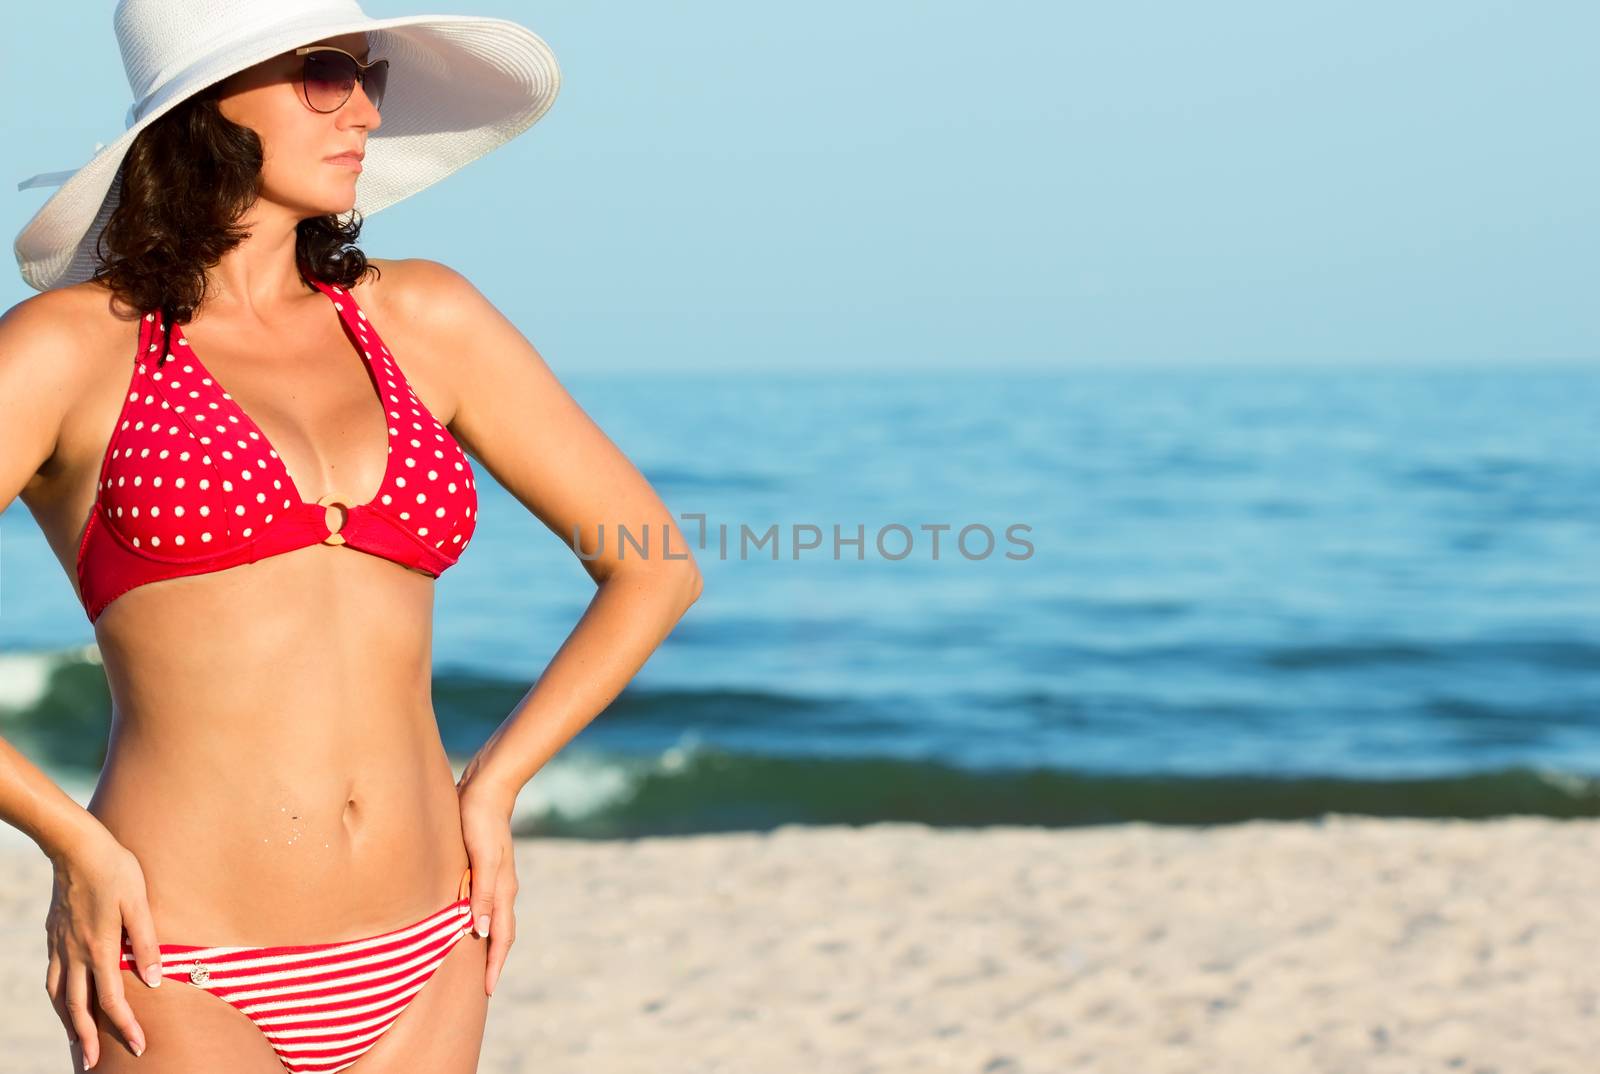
(1358, 945)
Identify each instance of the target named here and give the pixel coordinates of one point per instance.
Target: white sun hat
(459, 86)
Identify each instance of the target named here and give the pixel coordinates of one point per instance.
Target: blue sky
(901, 186)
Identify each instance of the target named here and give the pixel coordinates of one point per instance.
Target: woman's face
(297, 140)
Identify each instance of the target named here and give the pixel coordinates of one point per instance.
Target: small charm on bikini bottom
(199, 975)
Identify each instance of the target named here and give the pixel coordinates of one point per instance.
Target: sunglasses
(329, 76)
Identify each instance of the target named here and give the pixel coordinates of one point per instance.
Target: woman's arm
(99, 890)
(517, 420)
(41, 375)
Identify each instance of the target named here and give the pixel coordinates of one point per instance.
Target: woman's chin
(331, 201)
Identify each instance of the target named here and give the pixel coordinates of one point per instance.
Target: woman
(277, 834)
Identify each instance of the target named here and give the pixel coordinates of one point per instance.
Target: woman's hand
(99, 890)
(486, 829)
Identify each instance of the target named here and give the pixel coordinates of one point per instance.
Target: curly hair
(185, 182)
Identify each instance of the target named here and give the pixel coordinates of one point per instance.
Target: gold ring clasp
(335, 499)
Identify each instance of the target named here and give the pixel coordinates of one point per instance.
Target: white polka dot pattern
(189, 484)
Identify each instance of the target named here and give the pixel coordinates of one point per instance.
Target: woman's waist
(274, 856)
(263, 776)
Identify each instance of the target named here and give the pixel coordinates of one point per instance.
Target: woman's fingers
(503, 929)
(58, 996)
(142, 940)
(108, 987)
(483, 887)
(491, 853)
(80, 1015)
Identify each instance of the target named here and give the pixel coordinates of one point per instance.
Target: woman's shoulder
(66, 333)
(82, 307)
(431, 315)
(58, 348)
(417, 291)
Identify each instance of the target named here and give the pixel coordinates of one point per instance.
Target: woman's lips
(348, 160)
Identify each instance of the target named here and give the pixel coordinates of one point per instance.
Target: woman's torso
(274, 761)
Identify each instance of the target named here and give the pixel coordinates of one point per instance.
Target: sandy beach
(1352, 945)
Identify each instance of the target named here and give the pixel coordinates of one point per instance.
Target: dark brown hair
(185, 182)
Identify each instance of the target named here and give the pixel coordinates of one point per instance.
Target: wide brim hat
(459, 86)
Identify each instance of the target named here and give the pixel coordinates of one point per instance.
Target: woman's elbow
(692, 583)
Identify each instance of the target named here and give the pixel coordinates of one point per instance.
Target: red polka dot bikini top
(189, 485)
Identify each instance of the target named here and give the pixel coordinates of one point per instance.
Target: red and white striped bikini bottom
(322, 1005)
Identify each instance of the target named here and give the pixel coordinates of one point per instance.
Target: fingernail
(152, 975)
(482, 928)
(138, 1047)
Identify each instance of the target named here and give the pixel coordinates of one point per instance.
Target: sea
(1172, 595)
